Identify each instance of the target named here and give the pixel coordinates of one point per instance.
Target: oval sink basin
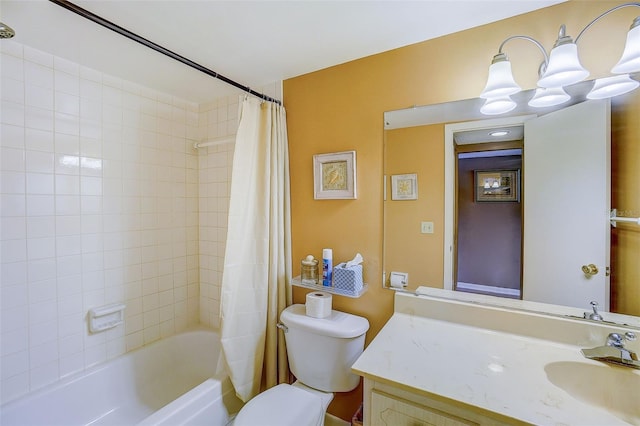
(612, 388)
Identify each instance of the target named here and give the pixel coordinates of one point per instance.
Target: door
(566, 206)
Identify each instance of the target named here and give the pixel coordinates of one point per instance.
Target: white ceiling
(254, 43)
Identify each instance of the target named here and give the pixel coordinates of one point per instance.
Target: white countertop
(495, 371)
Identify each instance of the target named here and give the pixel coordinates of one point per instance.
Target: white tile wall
(217, 120)
(103, 200)
(99, 203)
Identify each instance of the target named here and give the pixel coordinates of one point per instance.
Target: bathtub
(169, 382)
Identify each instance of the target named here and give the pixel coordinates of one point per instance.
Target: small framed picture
(497, 185)
(404, 187)
(334, 176)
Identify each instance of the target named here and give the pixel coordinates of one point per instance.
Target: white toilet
(321, 352)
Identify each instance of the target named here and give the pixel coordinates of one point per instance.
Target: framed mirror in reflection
(537, 249)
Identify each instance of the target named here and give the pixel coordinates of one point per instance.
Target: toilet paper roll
(398, 279)
(318, 304)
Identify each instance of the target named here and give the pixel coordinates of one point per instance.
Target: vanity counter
(481, 369)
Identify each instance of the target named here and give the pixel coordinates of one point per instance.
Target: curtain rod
(122, 31)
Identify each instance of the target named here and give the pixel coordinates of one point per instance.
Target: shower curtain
(257, 264)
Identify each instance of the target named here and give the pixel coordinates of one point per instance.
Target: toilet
(321, 352)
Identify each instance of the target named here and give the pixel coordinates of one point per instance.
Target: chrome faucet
(595, 315)
(614, 351)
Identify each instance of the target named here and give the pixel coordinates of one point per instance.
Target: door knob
(590, 269)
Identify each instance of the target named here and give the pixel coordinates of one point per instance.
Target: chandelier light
(561, 68)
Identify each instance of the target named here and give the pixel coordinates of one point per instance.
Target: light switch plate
(426, 227)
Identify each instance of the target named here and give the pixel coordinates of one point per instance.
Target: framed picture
(334, 176)
(497, 185)
(404, 187)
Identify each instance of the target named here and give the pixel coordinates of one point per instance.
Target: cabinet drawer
(389, 410)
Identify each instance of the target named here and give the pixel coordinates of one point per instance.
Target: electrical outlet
(426, 227)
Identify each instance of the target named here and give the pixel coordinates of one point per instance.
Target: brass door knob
(590, 269)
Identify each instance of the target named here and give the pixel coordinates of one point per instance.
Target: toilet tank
(321, 351)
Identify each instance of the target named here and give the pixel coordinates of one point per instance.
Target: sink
(609, 387)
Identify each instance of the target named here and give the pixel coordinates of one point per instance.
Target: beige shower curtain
(257, 264)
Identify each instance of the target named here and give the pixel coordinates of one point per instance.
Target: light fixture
(561, 67)
(612, 86)
(564, 67)
(630, 60)
(500, 82)
(498, 133)
(549, 97)
(495, 106)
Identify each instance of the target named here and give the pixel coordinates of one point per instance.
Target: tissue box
(348, 279)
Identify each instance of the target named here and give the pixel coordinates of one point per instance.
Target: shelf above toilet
(297, 281)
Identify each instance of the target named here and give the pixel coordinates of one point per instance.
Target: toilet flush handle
(282, 327)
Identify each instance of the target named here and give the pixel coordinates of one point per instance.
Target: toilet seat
(282, 405)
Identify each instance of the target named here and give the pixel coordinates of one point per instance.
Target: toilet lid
(282, 405)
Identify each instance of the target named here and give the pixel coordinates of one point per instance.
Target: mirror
(414, 157)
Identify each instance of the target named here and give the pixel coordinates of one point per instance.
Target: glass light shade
(630, 60)
(496, 106)
(549, 97)
(564, 67)
(500, 82)
(612, 86)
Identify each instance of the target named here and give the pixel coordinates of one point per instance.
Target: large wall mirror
(516, 206)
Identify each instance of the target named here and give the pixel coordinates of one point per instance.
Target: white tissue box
(348, 279)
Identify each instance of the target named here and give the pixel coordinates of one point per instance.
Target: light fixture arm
(636, 22)
(532, 40)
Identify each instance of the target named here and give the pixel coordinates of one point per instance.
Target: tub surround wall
(217, 119)
(104, 200)
(99, 205)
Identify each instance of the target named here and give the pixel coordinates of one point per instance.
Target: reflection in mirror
(422, 236)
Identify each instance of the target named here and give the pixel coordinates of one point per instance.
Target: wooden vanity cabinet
(389, 405)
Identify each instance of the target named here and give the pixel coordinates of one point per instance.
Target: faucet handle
(617, 340)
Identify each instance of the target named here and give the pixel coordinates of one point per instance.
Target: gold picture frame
(334, 176)
(404, 187)
(497, 185)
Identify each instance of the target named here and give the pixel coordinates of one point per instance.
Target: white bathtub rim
(95, 369)
(213, 392)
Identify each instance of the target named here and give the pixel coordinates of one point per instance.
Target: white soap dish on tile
(106, 317)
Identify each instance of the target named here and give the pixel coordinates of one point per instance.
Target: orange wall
(341, 108)
(625, 196)
(416, 150)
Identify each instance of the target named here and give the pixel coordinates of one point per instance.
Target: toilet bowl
(321, 352)
(284, 405)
